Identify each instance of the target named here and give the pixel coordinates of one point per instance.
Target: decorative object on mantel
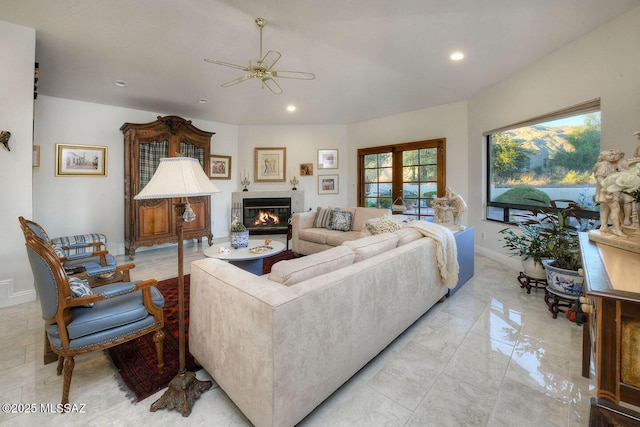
(448, 210)
(178, 178)
(618, 193)
(4, 139)
(245, 183)
(294, 181)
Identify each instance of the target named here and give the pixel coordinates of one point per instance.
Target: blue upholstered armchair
(82, 320)
(79, 253)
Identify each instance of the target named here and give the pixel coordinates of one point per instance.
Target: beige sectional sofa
(307, 239)
(280, 344)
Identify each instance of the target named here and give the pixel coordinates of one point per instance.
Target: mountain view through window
(533, 164)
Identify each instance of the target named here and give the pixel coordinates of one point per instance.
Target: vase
(533, 269)
(568, 282)
(239, 239)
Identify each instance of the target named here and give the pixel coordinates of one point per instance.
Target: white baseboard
(9, 297)
(496, 256)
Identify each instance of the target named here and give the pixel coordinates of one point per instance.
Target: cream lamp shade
(177, 177)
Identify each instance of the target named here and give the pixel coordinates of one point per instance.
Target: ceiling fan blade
(269, 59)
(272, 85)
(228, 64)
(238, 80)
(300, 75)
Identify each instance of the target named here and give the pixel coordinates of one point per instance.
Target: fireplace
(266, 215)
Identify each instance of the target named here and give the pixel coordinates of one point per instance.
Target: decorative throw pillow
(80, 288)
(59, 251)
(384, 224)
(341, 220)
(323, 217)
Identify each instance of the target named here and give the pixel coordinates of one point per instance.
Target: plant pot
(533, 269)
(568, 282)
(239, 239)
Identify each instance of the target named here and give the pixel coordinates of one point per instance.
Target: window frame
(587, 107)
(397, 164)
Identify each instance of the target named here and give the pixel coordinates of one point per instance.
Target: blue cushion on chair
(80, 288)
(112, 314)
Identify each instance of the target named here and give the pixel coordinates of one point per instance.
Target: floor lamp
(179, 178)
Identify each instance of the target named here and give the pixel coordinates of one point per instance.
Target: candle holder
(294, 182)
(245, 183)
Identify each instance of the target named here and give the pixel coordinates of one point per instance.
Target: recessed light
(457, 56)
(120, 83)
(203, 101)
(291, 108)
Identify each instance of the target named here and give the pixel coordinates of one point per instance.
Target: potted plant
(239, 234)
(558, 227)
(530, 246)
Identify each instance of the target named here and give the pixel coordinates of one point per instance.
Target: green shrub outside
(524, 196)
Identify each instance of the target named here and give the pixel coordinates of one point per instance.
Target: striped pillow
(323, 217)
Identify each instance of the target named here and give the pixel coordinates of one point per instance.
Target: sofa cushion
(363, 214)
(341, 220)
(336, 238)
(384, 224)
(315, 235)
(323, 217)
(407, 235)
(367, 247)
(298, 270)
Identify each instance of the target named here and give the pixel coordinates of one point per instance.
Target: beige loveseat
(308, 239)
(280, 344)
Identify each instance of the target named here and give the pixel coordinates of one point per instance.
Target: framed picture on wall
(327, 159)
(81, 160)
(270, 164)
(327, 184)
(220, 167)
(306, 169)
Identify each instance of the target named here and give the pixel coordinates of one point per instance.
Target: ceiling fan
(262, 69)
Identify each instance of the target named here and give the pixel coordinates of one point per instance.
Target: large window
(547, 158)
(408, 175)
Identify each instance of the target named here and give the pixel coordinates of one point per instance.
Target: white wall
(302, 144)
(446, 121)
(604, 64)
(77, 205)
(17, 50)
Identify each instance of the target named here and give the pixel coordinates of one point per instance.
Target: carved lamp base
(183, 390)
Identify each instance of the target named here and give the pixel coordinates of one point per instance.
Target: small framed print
(81, 160)
(270, 164)
(327, 159)
(327, 184)
(220, 167)
(306, 169)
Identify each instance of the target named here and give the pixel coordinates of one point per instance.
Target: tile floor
(489, 356)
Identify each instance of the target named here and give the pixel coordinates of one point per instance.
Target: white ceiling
(372, 58)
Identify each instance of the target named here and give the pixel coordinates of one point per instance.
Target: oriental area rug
(136, 360)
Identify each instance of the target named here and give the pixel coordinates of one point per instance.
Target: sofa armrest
(300, 221)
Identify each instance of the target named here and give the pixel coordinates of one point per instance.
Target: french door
(403, 177)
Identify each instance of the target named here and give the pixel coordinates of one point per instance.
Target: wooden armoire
(152, 222)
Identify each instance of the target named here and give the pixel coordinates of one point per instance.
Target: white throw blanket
(446, 249)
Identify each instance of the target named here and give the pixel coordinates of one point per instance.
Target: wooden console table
(613, 336)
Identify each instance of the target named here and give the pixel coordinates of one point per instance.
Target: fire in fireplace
(266, 215)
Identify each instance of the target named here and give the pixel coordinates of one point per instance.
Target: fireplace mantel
(297, 198)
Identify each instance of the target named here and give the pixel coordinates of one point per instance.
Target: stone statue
(609, 200)
(448, 210)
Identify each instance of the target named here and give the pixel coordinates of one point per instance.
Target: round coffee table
(245, 258)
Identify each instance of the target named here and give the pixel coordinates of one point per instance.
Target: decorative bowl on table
(260, 249)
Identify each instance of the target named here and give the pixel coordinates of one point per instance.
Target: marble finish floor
(491, 355)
